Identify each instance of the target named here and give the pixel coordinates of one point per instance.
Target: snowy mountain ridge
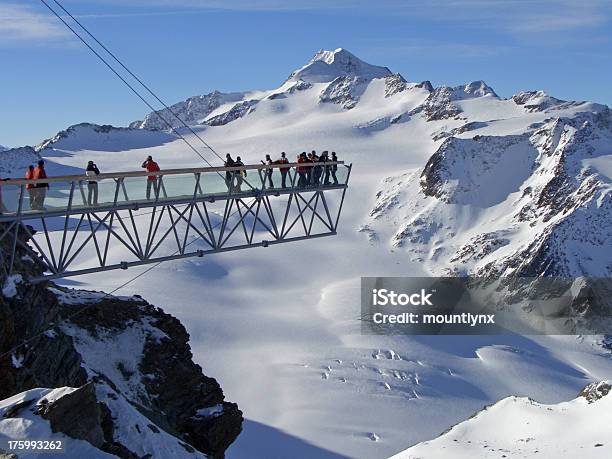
(521, 427)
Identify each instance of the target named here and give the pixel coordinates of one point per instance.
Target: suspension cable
(122, 79)
(139, 80)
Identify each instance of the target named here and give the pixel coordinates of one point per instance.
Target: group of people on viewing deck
(307, 176)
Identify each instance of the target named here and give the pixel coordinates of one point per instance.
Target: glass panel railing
(9, 198)
(55, 197)
(96, 193)
(135, 189)
(341, 174)
(235, 182)
(277, 179)
(105, 192)
(180, 186)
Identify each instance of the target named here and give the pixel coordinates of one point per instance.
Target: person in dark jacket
(309, 159)
(334, 167)
(229, 175)
(239, 174)
(92, 185)
(327, 169)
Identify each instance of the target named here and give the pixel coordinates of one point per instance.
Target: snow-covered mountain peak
(479, 89)
(325, 66)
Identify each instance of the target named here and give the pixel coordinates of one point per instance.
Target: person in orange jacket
(40, 189)
(283, 170)
(302, 171)
(29, 175)
(152, 181)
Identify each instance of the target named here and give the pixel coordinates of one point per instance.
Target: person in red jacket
(29, 175)
(40, 189)
(283, 170)
(151, 166)
(302, 171)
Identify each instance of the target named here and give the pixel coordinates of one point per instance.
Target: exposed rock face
(425, 85)
(77, 414)
(441, 103)
(501, 208)
(237, 111)
(192, 111)
(394, 84)
(596, 391)
(344, 91)
(146, 365)
(556, 193)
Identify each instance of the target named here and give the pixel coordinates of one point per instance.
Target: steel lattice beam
(172, 228)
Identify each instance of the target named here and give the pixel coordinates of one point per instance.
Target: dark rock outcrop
(165, 385)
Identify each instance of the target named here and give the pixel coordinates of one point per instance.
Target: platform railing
(133, 189)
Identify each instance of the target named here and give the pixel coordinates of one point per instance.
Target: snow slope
(520, 427)
(285, 319)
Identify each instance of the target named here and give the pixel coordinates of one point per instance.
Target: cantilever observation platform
(220, 208)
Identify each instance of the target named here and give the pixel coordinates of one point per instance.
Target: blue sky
(186, 47)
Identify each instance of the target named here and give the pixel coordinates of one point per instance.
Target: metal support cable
(131, 87)
(118, 75)
(139, 80)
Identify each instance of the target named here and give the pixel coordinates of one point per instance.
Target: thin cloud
(511, 16)
(19, 23)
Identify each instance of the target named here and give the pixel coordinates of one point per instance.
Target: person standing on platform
(239, 174)
(268, 171)
(92, 185)
(229, 175)
(283, 170)
(29, 175)
(334, 167)
(152, 180)
(40, 189)
(302, 170)
(325, 159)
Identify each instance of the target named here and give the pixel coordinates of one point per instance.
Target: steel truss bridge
(221, 208)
